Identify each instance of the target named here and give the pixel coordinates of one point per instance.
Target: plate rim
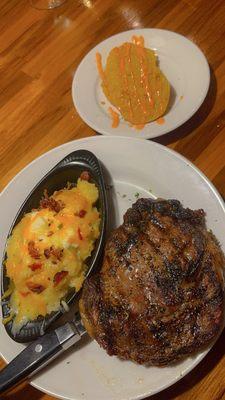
(175, 154)
(145, 136)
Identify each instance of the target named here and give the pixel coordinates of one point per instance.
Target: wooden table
(39, 52)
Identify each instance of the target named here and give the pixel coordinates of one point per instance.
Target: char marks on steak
(159, 294)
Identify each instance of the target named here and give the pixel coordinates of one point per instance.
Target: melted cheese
(71, 233)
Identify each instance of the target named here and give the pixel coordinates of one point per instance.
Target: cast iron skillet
(67, 170)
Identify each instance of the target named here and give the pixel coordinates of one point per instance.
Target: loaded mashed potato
(47, 250)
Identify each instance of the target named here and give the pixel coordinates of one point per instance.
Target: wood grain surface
(39, 52)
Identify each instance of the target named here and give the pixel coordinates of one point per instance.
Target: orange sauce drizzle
(115, 117)
(141, 53)
(99, 65)
(160, 121)
(138, 40)
(139, 127)
(124, 77)
(127, 54)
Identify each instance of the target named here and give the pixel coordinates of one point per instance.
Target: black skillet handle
(37, 355)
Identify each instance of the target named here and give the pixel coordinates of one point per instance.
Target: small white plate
(133, 167)
(182, 62)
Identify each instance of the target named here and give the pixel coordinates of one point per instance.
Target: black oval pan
(67, 170)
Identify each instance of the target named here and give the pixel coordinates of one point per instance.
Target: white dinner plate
(135, 168)
(182, 62)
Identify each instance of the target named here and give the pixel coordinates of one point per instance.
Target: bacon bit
(58, 253)
(85, 176)
(35, 287)
(52, 251)
(47, 253)
(80, 234)
(35, 266)
(81, 213)
(52, 204)
(50, 233)
(24, 294)
(32, 250)
(59, 276)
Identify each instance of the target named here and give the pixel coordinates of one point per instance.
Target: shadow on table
(196, 375)
(196, 120)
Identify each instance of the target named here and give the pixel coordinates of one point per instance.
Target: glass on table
(46, 4)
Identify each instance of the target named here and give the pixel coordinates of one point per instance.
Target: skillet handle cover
(34, 356)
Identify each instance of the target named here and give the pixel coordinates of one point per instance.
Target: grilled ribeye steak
(159, 294)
